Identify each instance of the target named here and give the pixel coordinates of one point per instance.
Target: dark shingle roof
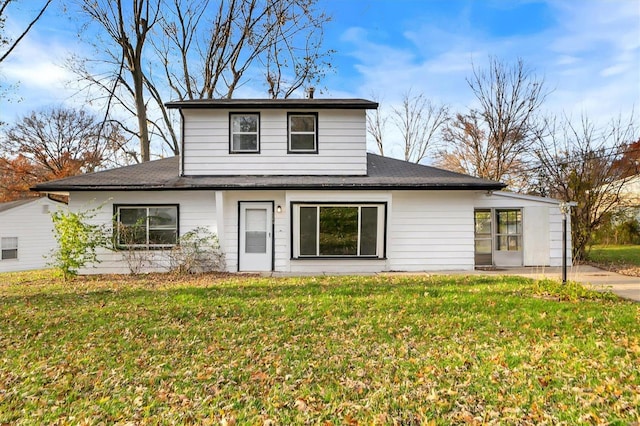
(274, 103)
(383, 173)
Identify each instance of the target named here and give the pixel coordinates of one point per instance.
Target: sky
(587, 51)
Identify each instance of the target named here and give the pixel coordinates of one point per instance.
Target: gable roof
(274, 103)
(162, 175)
(13, 204)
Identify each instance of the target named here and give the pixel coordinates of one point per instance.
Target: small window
(303, 135)
(147, 226)
(339, 230)
(509, 235)
(9, 248)
(245, 133)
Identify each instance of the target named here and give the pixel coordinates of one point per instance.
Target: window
(339, 230)
(483, 237)
(509, 235)
(9, 248)
(147, 226)
(303, 137)
(245, 133)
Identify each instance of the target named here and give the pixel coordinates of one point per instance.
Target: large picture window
(245, 133)
(147, 226)
(303, 135)
(8, 248)
(339, 230)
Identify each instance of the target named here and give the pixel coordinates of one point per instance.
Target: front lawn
(621, 258)
(320, 350)
(627, 254)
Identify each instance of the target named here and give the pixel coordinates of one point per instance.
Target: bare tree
(581, 163)
(376, 125)
(419, 121)
(7, 44)
(129, 28)
(200, 50)
(492, 141)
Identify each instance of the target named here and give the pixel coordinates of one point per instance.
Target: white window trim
(232, 133)
(381, 230)
(5, 246)
(290, 132)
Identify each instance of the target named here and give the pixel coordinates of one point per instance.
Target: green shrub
(78, 241)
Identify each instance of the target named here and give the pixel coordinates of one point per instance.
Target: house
(287, 185)
(26, 233)
(630, 197)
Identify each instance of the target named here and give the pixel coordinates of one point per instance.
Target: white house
(26, 233)
(287, 185)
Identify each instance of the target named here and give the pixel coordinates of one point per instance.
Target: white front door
(256, 238)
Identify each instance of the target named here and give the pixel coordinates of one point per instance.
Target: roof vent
(310, 91)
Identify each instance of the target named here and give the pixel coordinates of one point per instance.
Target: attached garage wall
(431, 231)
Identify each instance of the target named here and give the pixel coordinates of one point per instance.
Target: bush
(77, 241)
(199, 251)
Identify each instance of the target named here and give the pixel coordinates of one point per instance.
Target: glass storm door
(256, 243)
(483, 238)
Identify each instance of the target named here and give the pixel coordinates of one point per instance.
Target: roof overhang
(313, 104)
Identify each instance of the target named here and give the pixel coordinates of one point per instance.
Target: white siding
(31, 224)
(196, 209)
(550, 227)
(281, 226)
(431, 231)
(341, 145)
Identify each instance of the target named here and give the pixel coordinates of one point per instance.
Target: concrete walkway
(622, 285)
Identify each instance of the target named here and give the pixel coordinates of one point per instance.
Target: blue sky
(588, 51)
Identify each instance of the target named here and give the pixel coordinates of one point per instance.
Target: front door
(256, 237)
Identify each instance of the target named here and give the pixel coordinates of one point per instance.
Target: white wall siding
(196, 209)
(341, 145)
(534, 206)
(31, 224)
(430, 231)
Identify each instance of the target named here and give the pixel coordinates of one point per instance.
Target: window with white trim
(244, 133)
(303, 132)
(150, 227)
(338, 230)
(8, 248)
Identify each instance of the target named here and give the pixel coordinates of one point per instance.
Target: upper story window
(303, 132)
(245, 132)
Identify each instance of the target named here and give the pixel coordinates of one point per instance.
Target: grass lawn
(612, 254)
(320, 350)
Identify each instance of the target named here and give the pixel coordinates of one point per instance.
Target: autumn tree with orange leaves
(51, 144)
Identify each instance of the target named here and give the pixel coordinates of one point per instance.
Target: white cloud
(589, 57)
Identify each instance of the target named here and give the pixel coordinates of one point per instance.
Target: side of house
(26, 233)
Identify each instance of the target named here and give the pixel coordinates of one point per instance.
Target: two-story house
(287, 185)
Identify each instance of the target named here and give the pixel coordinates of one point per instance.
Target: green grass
(612, 254)
(319, 350)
